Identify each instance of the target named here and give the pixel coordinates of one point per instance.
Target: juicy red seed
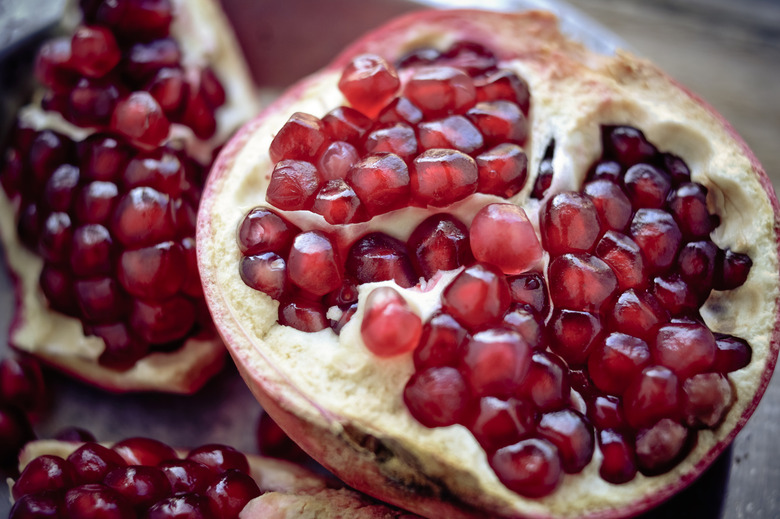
(381, 182)
(651, 396)
(612, 204)
(301, 138)
(198, 114)
(74, 434)
(546, 385)
(29, 226)
(143, 60)
(685, 348)
(530, 327)
(94, 51)
(638, 314)
(219, 458)
(230, 493)
(15, 432)
(294, 185)
(499, 121)
(658, 235)
(440, 90)
(580, 282)
(495, 361)
(186, 475)
(706, 398)
(142, 19)
(469, 56)
(191, 506)
(143, 216)
(496, 423)
(266, 272)
(103, 157)
(48, 151)
(400, 110)
(618, 464)
(569, 222)
(61, 187)
(624, 256)
(141, 486)
(313, 263)
(530, 291)
(677, 169)
(453, 132)
(369, 82)
(440, 177)
(688, 204)
(303, 315)
(731, 270)
(92, 102)
(696, 265)
(95, 202)
(21, 383)
(503, 236)
(336, 159)
(13, 166)
(39, 506)
(170, 88)
(390, 326)
(159, 322)
(477, 297)
(531, 468)
(152, 272)
(437, 397)
(347, 124)
(627, 145)
(440, 242)
(606, 412)
(573, 334)
(97, 500)
(732, 353)
(53, 66)
(504, 85)
(263, 230)
(419, 56)
(57, 285)
(139, 118)
(607, 170)
(616, 361)
(661, 446)
(47, 472)
(399, 139)
(379, 257)
(93, 461)
(56, 238)
(675, 295)
(122, 349)
(502, 170)
(344, 296)
(92, 251)
(159, 169)
(647, 186)
(273, 441)
(143, 451)
(211, 88)
(440, 343)
(572, 433)
(338, 203)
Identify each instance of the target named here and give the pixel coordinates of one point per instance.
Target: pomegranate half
(606, 333)
(102, 177)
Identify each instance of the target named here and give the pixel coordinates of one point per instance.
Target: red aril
(530, 467)
(440, 242)
(439, 177)
(437, 396)
(439, 90)
(502, 235)
(477, 297)
(454, 132)
(368, 82)
(390, 326)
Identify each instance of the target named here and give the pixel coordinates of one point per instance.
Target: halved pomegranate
(101, 184)
(584, 253)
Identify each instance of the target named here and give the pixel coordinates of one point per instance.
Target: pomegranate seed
(440, 343)
(497, 423)
(53, 65)
(263, 230)
(97, 500)
(273, 441)
(13, 167)
(313, 263)
(546, 385)
(531, 467)
(142, 19)
(74, 434)
(675, 295)
(651, 396)
(338, 203)
(230, 493)
(336, 159)
(469, 56)
(660, 447)
(418, 56)
(301, 138)
(647, 186)
(606, 412)
(191, 506)
(400, 110)
(685, 348)
(502, 170)
(344, 296)
(617, 361)
(219, 458)
(499, 121)
(658, 235)
(543, 179)
(706, 398)
(198, 114)
(399, 139)
(139, 118)
(303, 315)
(143, 60)
(21, 383)
(524, 322)
(95, 202)
(152, 272)
(696, 265)
(158, 322)
(369, 82)
(47, 472)
(48, 151)
(572, 434)
(624, 256)
(144, 451)
(103, 157)
(159, 169)
(40, 506)
(477, 297)
(504, 85)
(141, 486)
(688, 205)
(573, 334)
(293, 185)
(93, 461)
(607, 170)
(611, 203)
(569, 222)
(15, 432)
(381, 182)
(453, 132)
(29, 226)
(618, 464)
(440, 177)
(677, 169)
(440, 90)
(530, 291)
(57, 285)
(61, 187)
(94, 51)
(122, 349)
(580, 282)
(170, 88)
(502, 235)
(495, 361)
(390, 326)
(187, 475)
(627, 145)
(56, 238)
(266, 272)
(440, 242)
(638, 314)
(379, 257)
(347, 124)
(437, 397)
(732, 353)
(211, 88)
(731, 270)
(143, 217)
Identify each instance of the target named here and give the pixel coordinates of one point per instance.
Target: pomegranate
(212, 481)
(101, 183)
(606, 333)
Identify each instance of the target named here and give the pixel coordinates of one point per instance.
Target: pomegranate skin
(354, 448)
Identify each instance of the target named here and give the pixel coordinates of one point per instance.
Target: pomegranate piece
(573, 334)
(93, 461)
(503, 236)
(531, 467)
(140, 119)
(647, 186)
(651, 396)
(675, 295)
(301, 138)
(334, 162)
(141, 486)
(294, 185)
(303, 315)
(440, 242)
(369, 82)
(437, 397)
(440, 343)
(530, 327)
(706, 398)
(572, 433)
(569, 222)
(658, 236)
(44, 473)
(439, 177)
(92, 102)
(143, 451)
(499, 121)
(477, 297)
(495, 361)
(530, 291)
(219, 458)
(381, 182)
(398, 138)
(152, 272)
(618, 465)
(504, 85)
(617, 361)
(95, 202)
(160, 322)
(347, 124)
(440, 90)
(171, 89)
(696, 265)
(100, 299)
(731, 270)
(685, 348)
(580, 282)
(606, 412)
(390, 326)
(338, 203)
(263, 230)
(627, 145)
(496, 423)
(502, 171)
(400, 110)
(688, 205)
(638, 314)
(97, 500)
(143, 217)
(266, 272)
(379, 257)
(661, 446)
(624, 256)
(546, 384)
(94, 51)
(611, 203)
(732, 353)
(160, 169)
(453, 132)
(187, 475)
(314, 264)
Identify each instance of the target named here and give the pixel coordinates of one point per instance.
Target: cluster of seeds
(137, 477)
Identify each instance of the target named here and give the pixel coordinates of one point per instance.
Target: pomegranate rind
(206, 38)
(344, 407)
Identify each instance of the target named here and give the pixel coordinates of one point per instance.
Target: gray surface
(745, 482)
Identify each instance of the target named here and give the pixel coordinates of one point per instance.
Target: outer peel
(206, 39)
(344, 407)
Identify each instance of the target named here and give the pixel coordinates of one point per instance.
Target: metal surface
(744, 482)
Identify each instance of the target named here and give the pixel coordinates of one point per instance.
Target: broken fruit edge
(357, 452)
